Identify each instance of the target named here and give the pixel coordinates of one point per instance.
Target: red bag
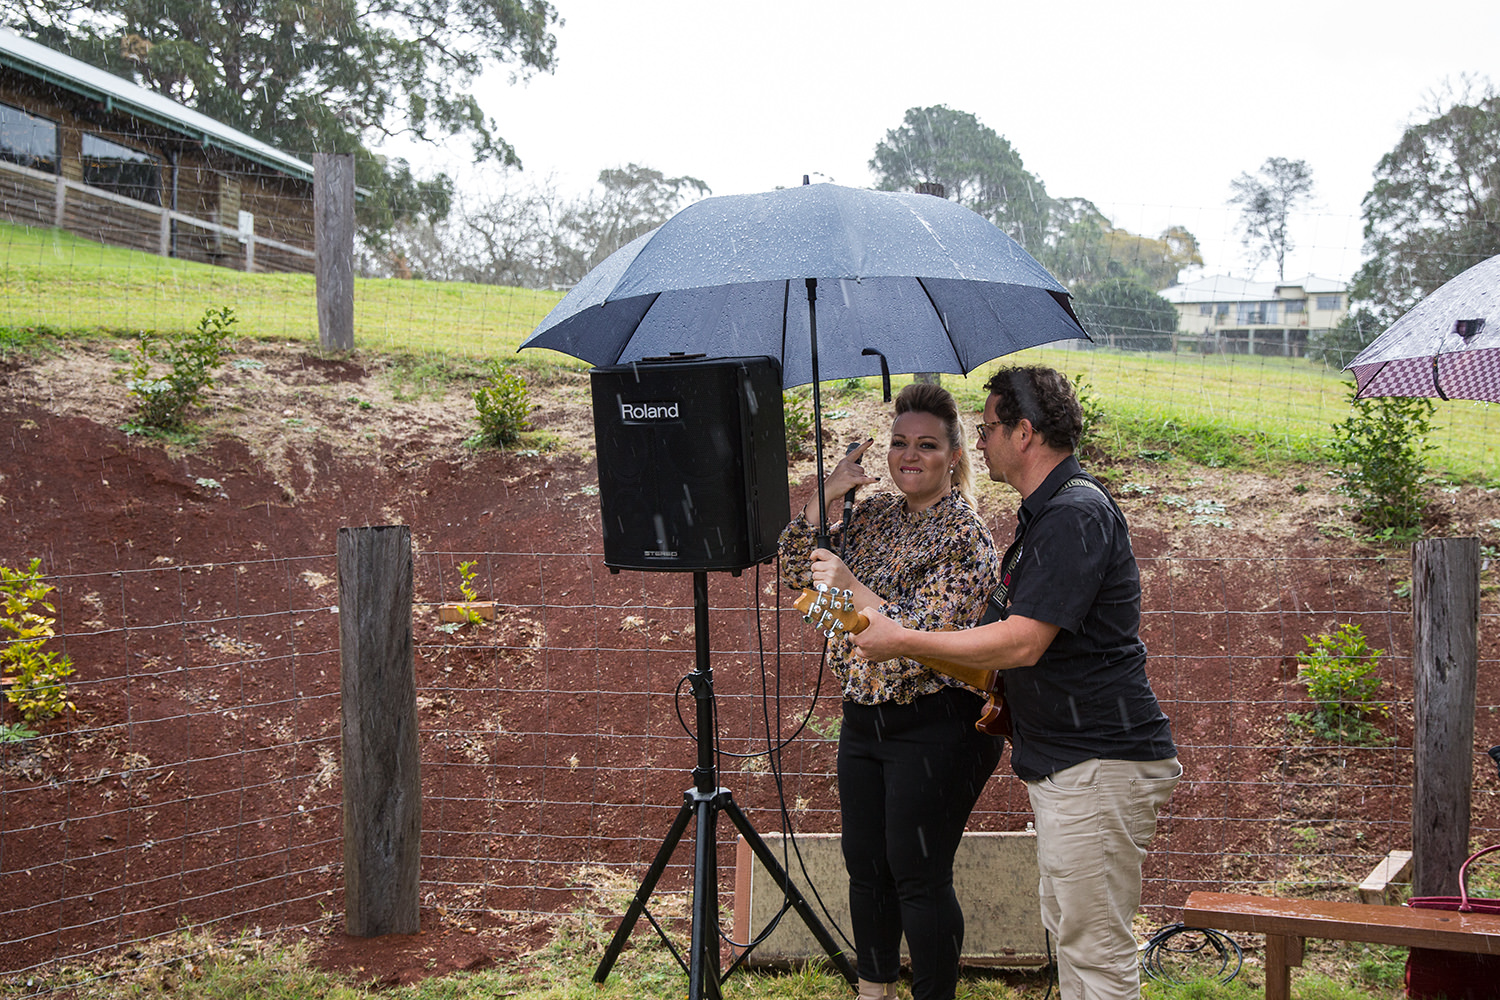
(1431, 973)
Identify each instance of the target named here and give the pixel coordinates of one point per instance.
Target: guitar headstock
(830, 610)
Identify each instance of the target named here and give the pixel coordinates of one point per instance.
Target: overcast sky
(1147, 109)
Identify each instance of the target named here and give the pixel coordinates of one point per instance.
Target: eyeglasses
(983, 428)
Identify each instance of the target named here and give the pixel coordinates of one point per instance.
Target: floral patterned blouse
(934, 570)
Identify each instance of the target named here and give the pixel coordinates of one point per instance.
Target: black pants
(909, 776)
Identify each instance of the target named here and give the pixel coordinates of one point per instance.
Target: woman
(910, 763)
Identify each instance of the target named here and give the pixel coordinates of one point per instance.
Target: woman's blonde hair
(923, 397)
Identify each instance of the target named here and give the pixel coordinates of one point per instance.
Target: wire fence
(199, 780)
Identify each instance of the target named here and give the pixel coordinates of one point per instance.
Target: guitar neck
(975, 677)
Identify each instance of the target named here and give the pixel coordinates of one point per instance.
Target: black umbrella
(890, 281)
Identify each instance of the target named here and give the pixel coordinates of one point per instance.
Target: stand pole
(704, 801)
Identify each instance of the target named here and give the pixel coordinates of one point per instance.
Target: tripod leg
(799, 902)
(648, 884)
(703, 972)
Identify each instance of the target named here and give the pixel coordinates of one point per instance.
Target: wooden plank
(1283, 953)
(381, 763)
(1445, 658)
(459, 611)
(1447, 930)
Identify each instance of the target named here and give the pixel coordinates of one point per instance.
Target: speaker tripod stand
(703, 802)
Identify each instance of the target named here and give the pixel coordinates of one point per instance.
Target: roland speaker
(692, 462)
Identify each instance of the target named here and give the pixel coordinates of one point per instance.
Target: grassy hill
(1216, 410)
(55, 280)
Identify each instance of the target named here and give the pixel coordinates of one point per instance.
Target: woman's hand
(830, 570)
(848, 475)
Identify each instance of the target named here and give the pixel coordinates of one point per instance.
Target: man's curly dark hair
(1043, 396)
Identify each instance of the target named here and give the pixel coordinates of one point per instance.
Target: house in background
(1234, 316)
(84, 150)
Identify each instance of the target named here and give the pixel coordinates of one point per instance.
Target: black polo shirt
(1088, 695)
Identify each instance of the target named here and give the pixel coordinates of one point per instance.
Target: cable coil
(1210, 947)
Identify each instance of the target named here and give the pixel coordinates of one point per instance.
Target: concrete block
(1393, 869)
(994, 876)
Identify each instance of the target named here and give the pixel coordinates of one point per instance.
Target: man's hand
(880, 640)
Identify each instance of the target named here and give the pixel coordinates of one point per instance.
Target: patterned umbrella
(1447, 346)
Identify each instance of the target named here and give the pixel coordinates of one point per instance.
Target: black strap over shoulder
(995, 608)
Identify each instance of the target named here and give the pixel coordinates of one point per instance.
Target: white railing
(62, 186)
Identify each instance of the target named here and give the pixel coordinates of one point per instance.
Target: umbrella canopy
(927, 283)
(1447, 346)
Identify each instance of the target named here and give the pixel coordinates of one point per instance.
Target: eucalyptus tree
(1266, 201)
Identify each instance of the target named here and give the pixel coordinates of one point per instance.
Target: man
(1087, 734)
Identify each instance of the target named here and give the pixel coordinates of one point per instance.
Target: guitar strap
(995, 609)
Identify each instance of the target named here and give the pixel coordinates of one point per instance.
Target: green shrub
(36, 675)
(504, 403)
(1338, 670)
(1089, 401)
(1380, 447)
(797, 412)
(162, 401)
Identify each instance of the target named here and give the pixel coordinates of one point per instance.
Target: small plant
(163, 401)
(504, 403)
(36, 675)
(1381, 445)
(799, 422)
(827, 728)
(15, 732)
(467, 571)
(1093, 406)
(1338, 669)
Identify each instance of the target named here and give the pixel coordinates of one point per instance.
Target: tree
(526, 234)
(321, 76)
(1434, 210)
(629, 201)
(976, 167)
(1340, 345)
(1119, 312)
(1266, 201)
(1083, 247)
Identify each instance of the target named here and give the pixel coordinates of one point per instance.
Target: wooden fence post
(333, 237)
(381, 765)
(1445, 665)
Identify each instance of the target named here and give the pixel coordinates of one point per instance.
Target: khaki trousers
(1093, 821)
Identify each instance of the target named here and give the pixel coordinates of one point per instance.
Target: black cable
(1222, 947)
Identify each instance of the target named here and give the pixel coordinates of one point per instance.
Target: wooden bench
(1287, 922)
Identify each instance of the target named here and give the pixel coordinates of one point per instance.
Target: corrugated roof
(120, 94)
(1222, 288)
